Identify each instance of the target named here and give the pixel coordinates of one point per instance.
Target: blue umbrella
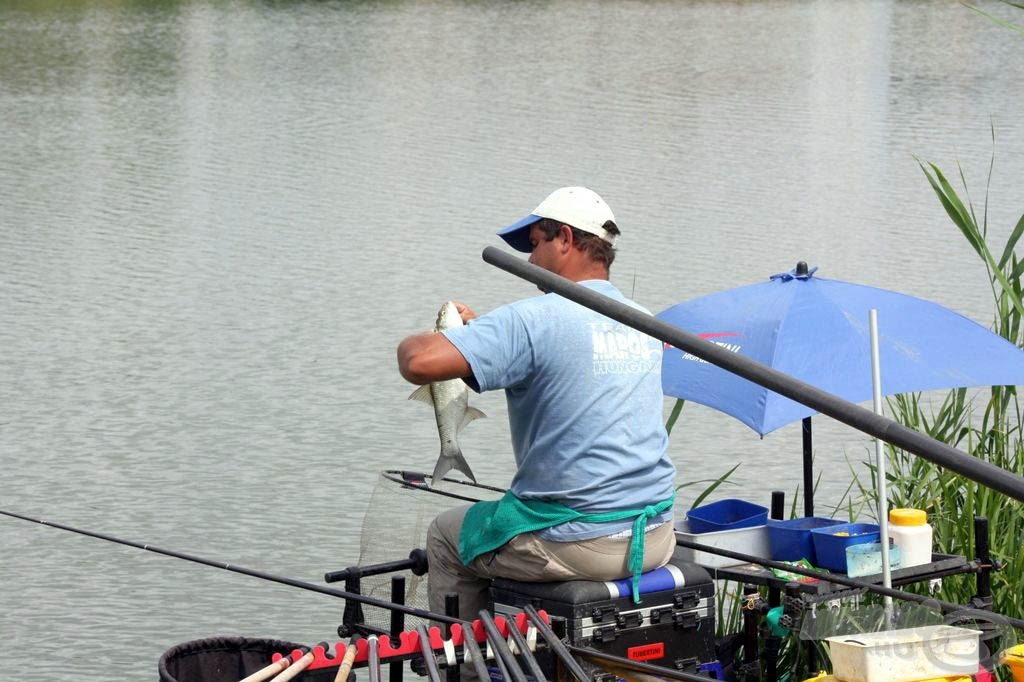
(816, 330)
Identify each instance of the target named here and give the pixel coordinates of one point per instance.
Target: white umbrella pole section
(883, 510)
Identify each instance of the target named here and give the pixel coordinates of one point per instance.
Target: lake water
(218, 218)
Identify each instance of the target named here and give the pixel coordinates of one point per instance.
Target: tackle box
(672, 626)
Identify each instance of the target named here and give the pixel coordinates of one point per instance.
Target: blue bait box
(830, 542)
(728, 514)
(790, 539)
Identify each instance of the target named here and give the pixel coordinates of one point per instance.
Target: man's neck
(580, 270)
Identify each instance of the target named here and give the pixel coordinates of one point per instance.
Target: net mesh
(395, 522)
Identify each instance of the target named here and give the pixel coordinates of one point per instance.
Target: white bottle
(910, 531)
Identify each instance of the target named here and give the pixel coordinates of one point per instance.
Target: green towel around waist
(489, 525)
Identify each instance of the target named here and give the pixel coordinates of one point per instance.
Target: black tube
(417, 563)
(380, 603)
(503, 671)
(451, 608)
(397, 625)
(750, 638)
(571, 664)
(853, 415)
(428, 653)
(469, 644)
(501, 649)
(524, 648)
(805, 430)
(353, 613)
(983, 582)
(778, 508)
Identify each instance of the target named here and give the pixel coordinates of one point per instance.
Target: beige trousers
(528, 558)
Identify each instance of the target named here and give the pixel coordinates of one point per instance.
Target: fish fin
(447, 462)
(443, 466)
(471, 414)
(423, 394)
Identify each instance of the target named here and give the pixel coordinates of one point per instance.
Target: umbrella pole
(808, 470)
(937, 452)
(883, 502)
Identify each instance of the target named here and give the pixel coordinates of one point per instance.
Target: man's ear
(565, 234)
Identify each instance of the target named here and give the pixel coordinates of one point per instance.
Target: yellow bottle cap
(907, 517)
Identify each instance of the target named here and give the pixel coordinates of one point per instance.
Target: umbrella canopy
(816, 330)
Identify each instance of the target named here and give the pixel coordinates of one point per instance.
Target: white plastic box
(752, 541)
(921, 653)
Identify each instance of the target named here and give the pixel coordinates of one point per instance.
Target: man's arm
(428, 357)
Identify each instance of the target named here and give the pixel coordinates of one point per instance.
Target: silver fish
(450, 400)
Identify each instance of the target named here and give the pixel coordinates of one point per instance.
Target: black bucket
(228, 659)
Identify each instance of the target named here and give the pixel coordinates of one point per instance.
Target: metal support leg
(451, 608)
(750, 639)
(772, 644)
(983, 583)
(808, 469)
(353, 614)
(397, 624)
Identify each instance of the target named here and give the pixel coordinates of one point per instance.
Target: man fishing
(593, 490)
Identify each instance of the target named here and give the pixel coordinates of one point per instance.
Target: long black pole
(839, 580)
(312, 587)
(783, 384)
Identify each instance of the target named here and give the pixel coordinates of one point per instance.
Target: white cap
(578, 207)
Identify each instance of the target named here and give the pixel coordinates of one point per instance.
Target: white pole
(883, 503)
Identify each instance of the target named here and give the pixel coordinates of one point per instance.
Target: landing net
(401, 508)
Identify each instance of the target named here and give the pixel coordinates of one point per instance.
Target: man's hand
(464, 312)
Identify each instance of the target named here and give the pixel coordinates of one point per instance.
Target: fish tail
(452, 459)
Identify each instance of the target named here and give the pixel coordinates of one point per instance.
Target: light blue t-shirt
(584, 402)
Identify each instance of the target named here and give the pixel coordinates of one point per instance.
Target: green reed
(989, 426)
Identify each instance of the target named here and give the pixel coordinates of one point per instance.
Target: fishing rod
(301, 584)
(433, 673)
(272, 669)
(839, 579)
(472, 650)
(296, 668)
(469, 639)
(501, 649)
(345, 667)
(555, 643)
(853, 415)
(524, 650)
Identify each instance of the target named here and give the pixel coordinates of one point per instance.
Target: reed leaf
(964, 220)
(1002, 22)
(711, 488)
(673, 417)
(1011, 243)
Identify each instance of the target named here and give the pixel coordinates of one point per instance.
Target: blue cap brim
(518, 233)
